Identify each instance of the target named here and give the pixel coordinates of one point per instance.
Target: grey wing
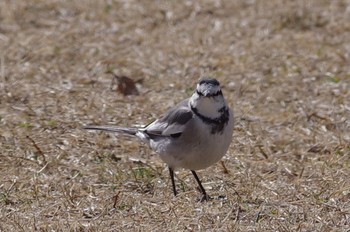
(172, 122)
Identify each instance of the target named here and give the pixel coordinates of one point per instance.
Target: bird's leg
(171, 172)
(205, 196)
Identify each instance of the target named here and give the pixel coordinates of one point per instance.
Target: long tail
(118, 129)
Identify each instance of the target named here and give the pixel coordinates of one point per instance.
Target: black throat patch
(217, 124)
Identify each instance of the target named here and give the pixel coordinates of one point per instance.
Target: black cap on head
(208, 87)
(208, 80)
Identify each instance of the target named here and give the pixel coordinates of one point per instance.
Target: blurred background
(284, 68)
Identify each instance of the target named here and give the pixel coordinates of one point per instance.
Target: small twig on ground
(41, 153)
(226, 171)
(116, 199)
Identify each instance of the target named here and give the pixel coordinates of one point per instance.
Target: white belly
(197, 148)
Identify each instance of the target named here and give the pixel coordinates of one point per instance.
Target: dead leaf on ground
(125, 85)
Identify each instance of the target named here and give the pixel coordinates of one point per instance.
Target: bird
(194, 134)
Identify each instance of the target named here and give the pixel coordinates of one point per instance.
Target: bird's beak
(208, 91)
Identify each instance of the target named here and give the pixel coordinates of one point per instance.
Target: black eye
(199, 93)
(177, 135)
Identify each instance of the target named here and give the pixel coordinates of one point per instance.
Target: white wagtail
(194, 134)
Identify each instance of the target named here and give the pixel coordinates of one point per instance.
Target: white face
(208, 98)
(208, 87)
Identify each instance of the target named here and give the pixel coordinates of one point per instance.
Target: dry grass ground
(285, 69)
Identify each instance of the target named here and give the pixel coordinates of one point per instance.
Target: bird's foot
(205, 197)
(222, 197)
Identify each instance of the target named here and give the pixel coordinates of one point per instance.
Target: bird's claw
(205, 197)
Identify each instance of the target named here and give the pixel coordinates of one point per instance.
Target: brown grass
(285, 70)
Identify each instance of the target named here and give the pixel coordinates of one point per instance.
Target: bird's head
(208, 87)
(208, 98)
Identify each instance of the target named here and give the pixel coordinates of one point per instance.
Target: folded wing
(172, 122)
